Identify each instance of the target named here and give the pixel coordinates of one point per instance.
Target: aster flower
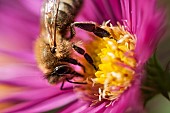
(120, 58)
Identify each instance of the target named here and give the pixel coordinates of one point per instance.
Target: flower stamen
(115, 59)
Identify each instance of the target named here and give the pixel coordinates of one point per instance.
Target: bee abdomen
(67, 12)
(74, 4)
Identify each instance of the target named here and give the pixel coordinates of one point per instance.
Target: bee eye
(60, 70)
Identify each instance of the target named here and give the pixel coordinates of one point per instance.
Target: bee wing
(48, 19)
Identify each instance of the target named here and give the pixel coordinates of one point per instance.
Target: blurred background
(160, 104)
(164, 45)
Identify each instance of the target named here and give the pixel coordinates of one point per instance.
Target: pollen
(114, 56)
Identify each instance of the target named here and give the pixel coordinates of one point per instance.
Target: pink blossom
(22, 83)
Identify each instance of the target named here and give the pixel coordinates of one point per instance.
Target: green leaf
(157, 79)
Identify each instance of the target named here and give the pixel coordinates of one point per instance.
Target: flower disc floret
(114, 56)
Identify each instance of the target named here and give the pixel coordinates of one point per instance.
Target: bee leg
(86, 55)
(75, 62)
(72, 32)
(91, 27)
(65, 88)
(62, 86)
(69, 80)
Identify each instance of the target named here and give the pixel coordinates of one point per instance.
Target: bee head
(58, 73)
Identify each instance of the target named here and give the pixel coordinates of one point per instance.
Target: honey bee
(53, 47)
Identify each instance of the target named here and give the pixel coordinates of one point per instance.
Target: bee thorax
(63, 49)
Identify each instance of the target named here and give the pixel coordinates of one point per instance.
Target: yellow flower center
(114, 57)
